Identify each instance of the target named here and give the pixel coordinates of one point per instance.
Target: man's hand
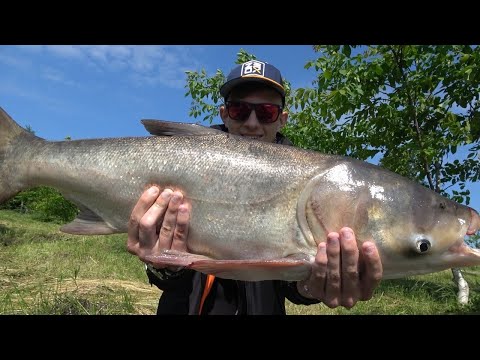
(341, 275)
(158, 223)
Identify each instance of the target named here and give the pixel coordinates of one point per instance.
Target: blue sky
(104, 91)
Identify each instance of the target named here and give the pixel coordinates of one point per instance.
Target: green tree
(29, 129)
(411, 107)
(44, 203)
(408, 107)
(203, 89)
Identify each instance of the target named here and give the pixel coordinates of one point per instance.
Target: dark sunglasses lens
(238, 111)
(267, 113)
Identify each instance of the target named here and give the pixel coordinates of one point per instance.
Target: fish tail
(10, 134)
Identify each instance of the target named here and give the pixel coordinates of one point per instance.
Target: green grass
(44, 271)
(431, 294)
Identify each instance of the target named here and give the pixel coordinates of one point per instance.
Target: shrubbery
(44, 203)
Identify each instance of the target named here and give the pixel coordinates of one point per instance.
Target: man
(342, 275)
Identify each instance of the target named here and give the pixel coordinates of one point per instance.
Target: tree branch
(411, 111)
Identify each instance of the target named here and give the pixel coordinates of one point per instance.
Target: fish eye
(423, 245)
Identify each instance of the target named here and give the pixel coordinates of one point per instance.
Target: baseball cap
(253, 71)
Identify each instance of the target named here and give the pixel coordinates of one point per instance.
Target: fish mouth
(474, 222)
(461, 254)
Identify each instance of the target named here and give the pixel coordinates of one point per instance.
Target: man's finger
(350, 278)
(170, 221)
(373, 270)
(315, 285)
(180, 234)
(144, 203)
(334, 281)
(152, 218)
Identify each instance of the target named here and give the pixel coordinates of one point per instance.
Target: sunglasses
(266, 113)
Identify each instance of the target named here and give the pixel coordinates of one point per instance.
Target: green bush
(44, 203)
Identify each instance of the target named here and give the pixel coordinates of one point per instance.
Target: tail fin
(10, 131)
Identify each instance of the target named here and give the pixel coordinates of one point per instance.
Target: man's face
(251, 127)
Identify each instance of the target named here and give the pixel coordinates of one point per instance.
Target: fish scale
(259, 210)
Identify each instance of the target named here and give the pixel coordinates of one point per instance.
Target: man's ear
(283, 119)
(223, 114)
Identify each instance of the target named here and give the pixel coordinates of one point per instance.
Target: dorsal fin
(169, 128)
(88, 223)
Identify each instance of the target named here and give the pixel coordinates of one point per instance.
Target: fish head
(416, 230)
(427, 235)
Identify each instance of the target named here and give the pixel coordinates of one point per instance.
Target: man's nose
(252, 120)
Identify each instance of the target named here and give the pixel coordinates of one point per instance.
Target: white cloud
(15, 61)
(31, 48)
(140, 66)
(56, 76)
(144, 64)
(66, 51)
(12, 89)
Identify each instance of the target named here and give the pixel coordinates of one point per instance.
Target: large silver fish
(259, 210)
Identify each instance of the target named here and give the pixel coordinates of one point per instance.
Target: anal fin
(289, 269)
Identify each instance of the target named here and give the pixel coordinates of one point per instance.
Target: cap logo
(253, 67)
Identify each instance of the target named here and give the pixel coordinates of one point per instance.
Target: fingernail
(347, 234)
(166, 194)
(369, 249)
(182, 209)
(176, 198)
(333, 241)
(322, 247)
(153, 190)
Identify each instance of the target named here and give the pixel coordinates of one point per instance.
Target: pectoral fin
(88, 223)
(290, 269)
